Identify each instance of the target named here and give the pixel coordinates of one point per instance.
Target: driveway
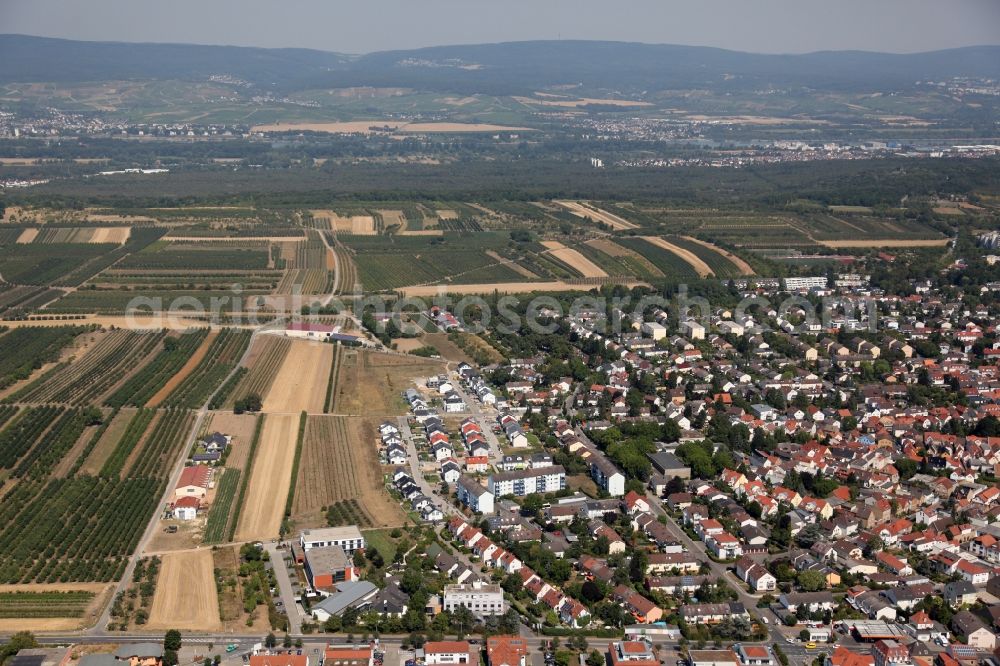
(292, 607)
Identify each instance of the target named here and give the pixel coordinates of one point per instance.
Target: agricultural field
(587, 210)
(371, 383)
(219, 359)
(50, 607)
(263, 363)
(386, 263)
(175, 352)
(24, 350)
(220, 514)
(262, 508)
(67, 264)
(54, 234)
(340, 467)
(300, 382)
(618, 261)
(666, 261)
(185, 593)
(90, 377)
(164, 255)
(576, 261)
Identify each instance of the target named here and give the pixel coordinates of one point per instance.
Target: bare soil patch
(371, 383)
(185, 595)
(745, 268)
(300, 384)
(117, 235)
(688, 256)
(574, 259)
(260, 516)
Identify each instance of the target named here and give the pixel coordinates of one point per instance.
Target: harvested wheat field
(745, 268)
(300, 384)
(689, 257)
(28, 235)
(270, 477)
(886, 242)
(584, 209)
(340, 464)
(185, 595)
(182, 374)
(117, 235)
(574, 259)
(371, 383)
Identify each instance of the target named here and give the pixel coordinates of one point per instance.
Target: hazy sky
(360, 26)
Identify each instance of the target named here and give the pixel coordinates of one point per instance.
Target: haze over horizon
(764, 26)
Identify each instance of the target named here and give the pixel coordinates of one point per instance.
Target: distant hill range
(502, 69)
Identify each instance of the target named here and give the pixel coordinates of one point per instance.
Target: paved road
(476, 412)
(414, 460)
(720, 570)
(285, 587)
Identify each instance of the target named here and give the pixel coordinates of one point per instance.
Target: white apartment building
(523, 482)
(480, 598)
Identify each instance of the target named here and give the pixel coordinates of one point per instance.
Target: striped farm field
(262, 508)
(300, 382)
(95, 373)
(116, 235)
(619, 261)
(667, 262)
(340, 464)
(265, 360)
(148, 381)
(220, 358)
(742, 266)
(220, 513)
(579, 263)
(718, 263)
(695, 262)
(585, 209)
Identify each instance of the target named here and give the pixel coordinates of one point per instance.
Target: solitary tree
(172, 640)
(270, 641)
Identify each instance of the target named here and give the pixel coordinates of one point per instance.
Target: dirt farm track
(185, 593)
